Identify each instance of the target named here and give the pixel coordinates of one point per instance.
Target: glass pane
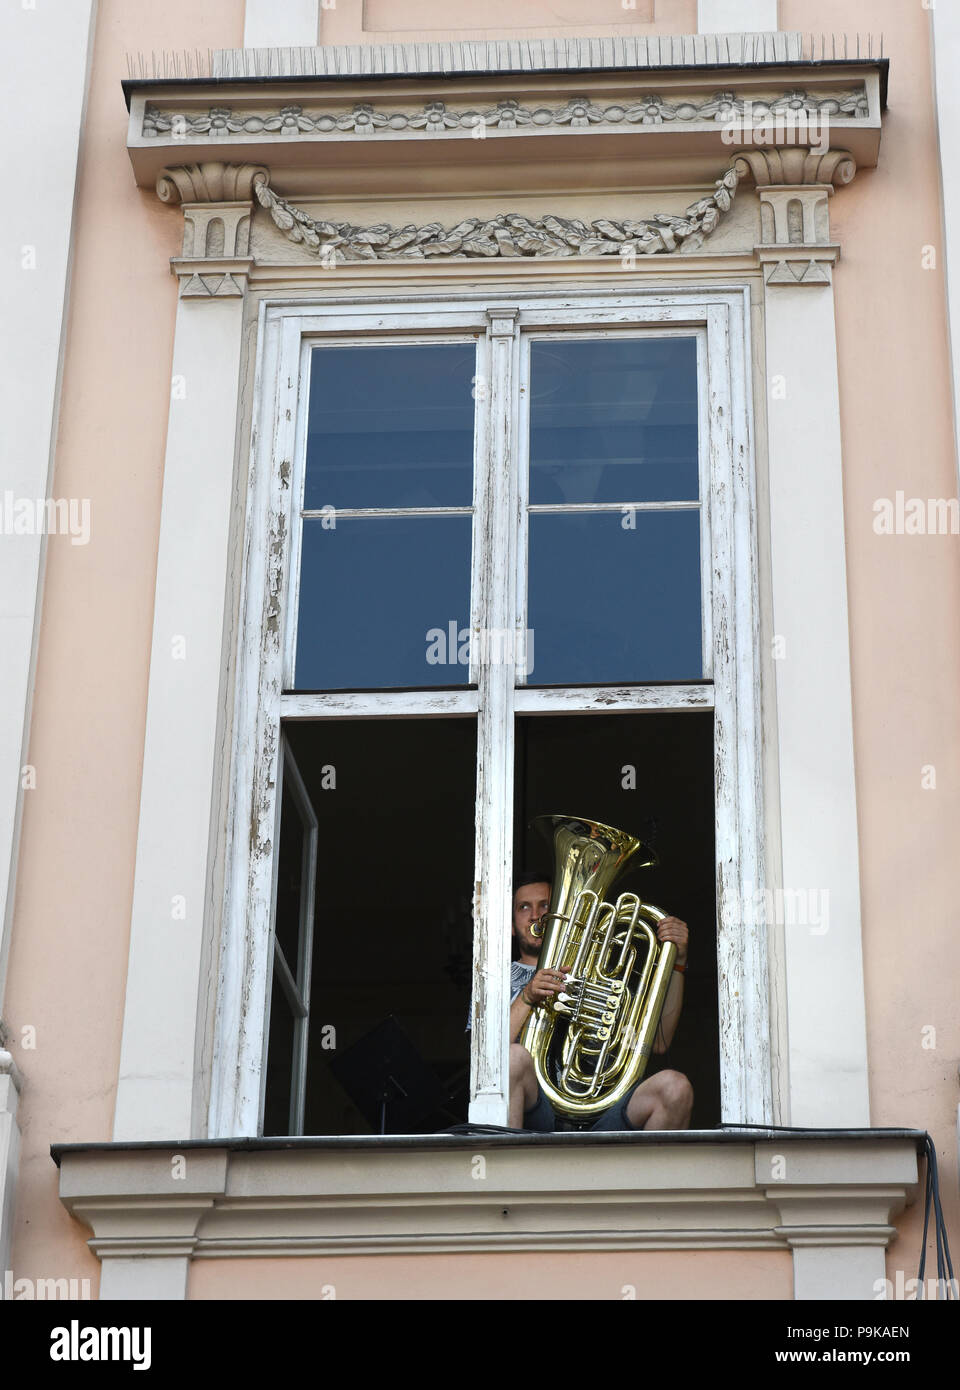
(671, 805)
(609, 603)
(614, 420)
(383, 601)
(276, 1110)
(394, 935)
(391, 426)
(289, 879)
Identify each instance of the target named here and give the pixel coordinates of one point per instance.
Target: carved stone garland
(507, 235)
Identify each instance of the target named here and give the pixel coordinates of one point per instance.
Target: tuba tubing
(605, 1019)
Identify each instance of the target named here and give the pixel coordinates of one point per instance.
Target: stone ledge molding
(314, 1200)
(8, 1067)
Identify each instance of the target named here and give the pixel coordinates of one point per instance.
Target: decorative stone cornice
(656, 111)
(436, 118)
(506, 235)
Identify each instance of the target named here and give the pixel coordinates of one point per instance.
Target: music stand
(383, 1072)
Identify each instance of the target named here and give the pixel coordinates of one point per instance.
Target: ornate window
(484, 513)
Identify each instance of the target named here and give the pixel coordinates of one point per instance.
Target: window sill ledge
(713, 1189)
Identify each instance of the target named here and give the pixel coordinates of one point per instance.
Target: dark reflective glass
(374, 592)
(276, 1114)
(289, 879)
(391, 426)
(613, 420)
(608, 604)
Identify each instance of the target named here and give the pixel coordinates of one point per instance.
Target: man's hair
(523, 880)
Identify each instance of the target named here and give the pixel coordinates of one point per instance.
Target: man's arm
(519, 1013)
(544, 984)
(672, 929)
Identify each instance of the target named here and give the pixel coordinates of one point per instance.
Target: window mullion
(494, 613)
(522, 451)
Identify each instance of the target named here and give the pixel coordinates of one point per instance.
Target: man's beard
(529, 945)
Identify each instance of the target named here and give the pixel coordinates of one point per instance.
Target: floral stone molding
(436, 118)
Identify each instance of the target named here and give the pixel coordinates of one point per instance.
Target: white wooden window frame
(286, 334)
(296, 976)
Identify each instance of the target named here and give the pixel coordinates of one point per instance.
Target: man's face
(529, 902)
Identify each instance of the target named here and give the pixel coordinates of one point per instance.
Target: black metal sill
(468, 1137)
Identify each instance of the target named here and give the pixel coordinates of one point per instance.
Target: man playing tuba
(663, 1101)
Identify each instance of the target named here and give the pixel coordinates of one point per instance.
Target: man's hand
(544, 985)
(672, 929)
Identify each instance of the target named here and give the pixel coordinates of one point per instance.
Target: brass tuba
(590, 1044)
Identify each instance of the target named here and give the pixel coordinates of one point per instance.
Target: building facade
(319, 516)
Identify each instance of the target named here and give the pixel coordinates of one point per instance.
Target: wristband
(523, 996)
(681, 969)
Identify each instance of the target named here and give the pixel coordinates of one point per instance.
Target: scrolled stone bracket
(211, 182)
(795, 166)
(795, 187)
(217, 202)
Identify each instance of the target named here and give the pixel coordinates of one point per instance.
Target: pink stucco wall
(408, 21)
(68, 956)
(904, 594)
(546, 1276)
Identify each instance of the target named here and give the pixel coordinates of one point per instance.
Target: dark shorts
(543, 1117)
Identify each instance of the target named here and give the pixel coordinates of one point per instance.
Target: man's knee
(521, 1063)
(676, 1093)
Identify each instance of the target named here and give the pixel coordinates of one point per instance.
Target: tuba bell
(591, 1043)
